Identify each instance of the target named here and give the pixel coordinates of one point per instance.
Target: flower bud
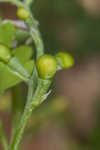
(5, 54)
(65, 60)
(46, 66)
(22, 13)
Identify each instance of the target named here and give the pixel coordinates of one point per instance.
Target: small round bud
(22, 13)
(5, 54)
(46, 66)
(65, 60)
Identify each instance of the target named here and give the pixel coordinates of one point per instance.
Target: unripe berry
(22, 13)
(5, 54)
(65, 60)
(46, 66)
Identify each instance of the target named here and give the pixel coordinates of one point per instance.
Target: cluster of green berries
(47, 65)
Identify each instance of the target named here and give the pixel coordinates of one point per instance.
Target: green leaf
(8, 79)
(23, 52)
(7, 33)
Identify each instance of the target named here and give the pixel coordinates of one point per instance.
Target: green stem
(34, 102)
(3, 137)
(16, 111)
(36, 36)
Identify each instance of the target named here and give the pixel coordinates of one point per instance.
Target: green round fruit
(5, 54)
(65, 60)
(46, 66)
(22, 13)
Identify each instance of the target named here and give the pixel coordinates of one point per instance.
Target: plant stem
(36, 36)
(34, 102)
(3, 137)
(16, 114)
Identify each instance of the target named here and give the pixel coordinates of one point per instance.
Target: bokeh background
(70, 118)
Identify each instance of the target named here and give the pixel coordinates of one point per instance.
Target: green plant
(16, 66)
